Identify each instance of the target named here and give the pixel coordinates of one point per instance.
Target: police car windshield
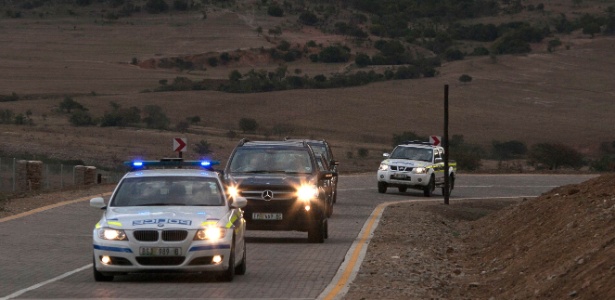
(421, 154)
(260, 160)
(168, 191)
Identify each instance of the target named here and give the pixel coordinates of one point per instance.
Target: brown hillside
(565, 96)
(558, 246)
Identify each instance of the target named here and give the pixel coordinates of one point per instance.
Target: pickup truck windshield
(413, 154)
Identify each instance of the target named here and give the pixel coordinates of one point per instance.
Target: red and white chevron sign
(434, 140)
(179, 144)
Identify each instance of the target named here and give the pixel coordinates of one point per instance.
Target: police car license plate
(400, 176)
(160, 251)
(266, 216)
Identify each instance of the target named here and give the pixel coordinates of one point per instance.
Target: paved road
(48, 254)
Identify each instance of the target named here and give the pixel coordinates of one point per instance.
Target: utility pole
(447, 181)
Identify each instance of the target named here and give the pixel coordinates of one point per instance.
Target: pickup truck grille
(401, 168)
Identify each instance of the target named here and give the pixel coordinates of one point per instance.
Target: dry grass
(565, 96)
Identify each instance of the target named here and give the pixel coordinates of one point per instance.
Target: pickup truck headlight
(111, 234)
(383, 167)
(420, 170)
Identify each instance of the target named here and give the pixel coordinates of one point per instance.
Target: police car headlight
(420, 170)
(210, 233)
(383, 167)
(307, 192)
(112, 234)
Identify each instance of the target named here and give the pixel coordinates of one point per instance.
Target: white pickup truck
(415, 165)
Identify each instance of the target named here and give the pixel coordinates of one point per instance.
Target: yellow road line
(48, 207)
(355, 254)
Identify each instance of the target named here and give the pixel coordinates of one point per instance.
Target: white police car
(177, 219)
(415, 165)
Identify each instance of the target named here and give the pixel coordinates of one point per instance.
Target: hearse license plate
(160, 251)
(266, 216)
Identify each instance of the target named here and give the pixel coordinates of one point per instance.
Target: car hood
(163, 217)
(270, 179)
(406, 162)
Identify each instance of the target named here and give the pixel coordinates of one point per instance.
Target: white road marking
(52, 280)
(465, 186)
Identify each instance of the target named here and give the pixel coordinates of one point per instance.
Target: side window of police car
(437, 156)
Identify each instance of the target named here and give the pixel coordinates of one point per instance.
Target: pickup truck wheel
(451, 184)
(382, 187)
(429, 188)
(402, 189)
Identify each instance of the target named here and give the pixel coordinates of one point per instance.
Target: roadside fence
(18, 175)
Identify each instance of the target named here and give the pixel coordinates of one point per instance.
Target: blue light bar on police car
(170, 162)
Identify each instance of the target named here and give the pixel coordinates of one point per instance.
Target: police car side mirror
(98, 202)
(385, 154)
(239, 202)
(438, 159)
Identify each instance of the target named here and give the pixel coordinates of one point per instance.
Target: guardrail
(18, 175)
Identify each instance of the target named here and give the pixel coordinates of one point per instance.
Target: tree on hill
(333, 54)
(156, 6)
(155, 118)
(465, 78)
(554, 156)
(68, 105)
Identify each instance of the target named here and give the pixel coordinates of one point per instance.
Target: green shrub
(6, 116)
(182, 126)
(508, 150)
(156, 6)
(363, 152)
(155, 118)
(202, 148)
(465, 78)
(334, 54)
(212, 61)
(308, 18)
(606, 163)
(68, 105)
(248, 124)
(554, 156)
(12, 97)
(81, 118)
(362, 60)
(275, 10)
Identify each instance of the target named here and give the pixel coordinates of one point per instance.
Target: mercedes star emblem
(267, 195)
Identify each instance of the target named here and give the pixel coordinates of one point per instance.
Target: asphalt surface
(49, 254)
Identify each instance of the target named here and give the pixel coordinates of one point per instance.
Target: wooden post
(447, 181)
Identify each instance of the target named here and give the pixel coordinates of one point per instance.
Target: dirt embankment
(557, 246)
